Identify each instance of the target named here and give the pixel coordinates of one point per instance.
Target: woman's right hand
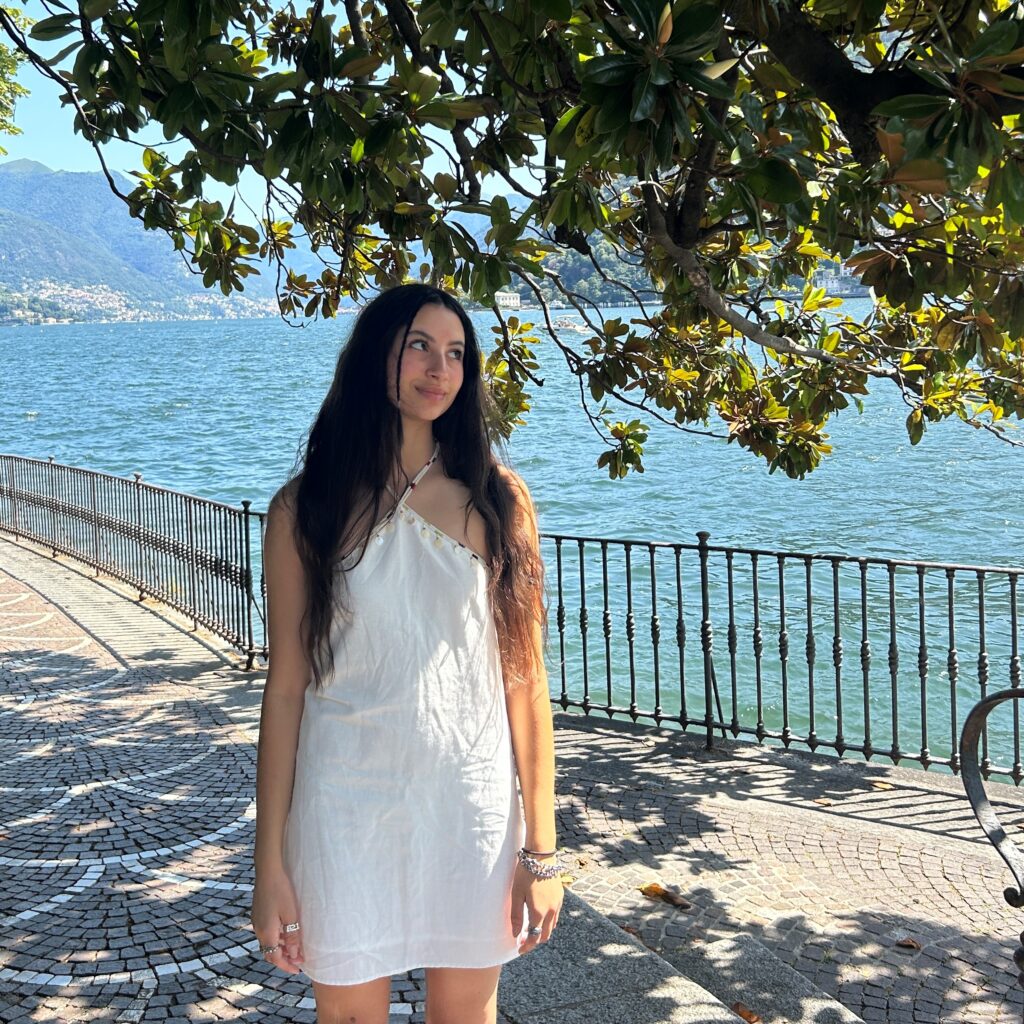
(273, 906)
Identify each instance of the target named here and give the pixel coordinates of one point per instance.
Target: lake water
(219, 408)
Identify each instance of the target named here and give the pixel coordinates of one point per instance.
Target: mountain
(70, 251)
(68, 243)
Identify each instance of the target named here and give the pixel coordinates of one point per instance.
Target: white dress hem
(322, 979)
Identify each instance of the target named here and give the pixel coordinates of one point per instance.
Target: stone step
(739, 969)
(592, 972)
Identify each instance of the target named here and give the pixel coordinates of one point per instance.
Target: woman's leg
(353, 1004)
(462, 995)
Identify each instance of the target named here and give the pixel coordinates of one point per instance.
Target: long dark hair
(355, 443)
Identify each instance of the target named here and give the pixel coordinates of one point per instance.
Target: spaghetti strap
(418, 477)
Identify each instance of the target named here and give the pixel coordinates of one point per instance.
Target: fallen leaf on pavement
(658, 892)
(883, 785)
(824, 803)
(908, 943)
(746, 1013)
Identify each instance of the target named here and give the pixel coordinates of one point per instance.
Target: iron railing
(191, 553)
(867, 656)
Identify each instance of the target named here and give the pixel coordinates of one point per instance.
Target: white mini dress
(405, 818)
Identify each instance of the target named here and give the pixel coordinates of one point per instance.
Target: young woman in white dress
(406, 695)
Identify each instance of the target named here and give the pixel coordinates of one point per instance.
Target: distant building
(839, 284)
(506, 300)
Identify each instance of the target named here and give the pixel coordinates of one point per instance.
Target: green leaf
(359, 66)
(661, 72)
(915, 426)
(53, 28)
(437, 112)
(998, 39)
(467, 108)
(645, 96)
(87, 64)
(57, 58)
(562, 133)
(644, 14)
(612, 69)
(94, 9)
(614, 112)
(445, 185)
(713, 87)
(775, 181)
(913, 106)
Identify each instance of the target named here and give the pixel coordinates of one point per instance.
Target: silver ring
(293, 927)
(535, 931)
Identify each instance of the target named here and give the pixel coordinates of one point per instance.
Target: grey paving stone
(741, 969)
(591, 967)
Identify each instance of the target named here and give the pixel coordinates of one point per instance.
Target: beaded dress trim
(411, 517)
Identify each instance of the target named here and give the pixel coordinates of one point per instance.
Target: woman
(406, 689)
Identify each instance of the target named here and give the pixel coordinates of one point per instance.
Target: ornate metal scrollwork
(983, 810)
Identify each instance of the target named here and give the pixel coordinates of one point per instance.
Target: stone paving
(829, 864)
(128, 749)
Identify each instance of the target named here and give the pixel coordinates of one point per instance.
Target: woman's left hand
(542, 900)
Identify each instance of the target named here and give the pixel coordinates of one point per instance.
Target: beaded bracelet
(536, 868)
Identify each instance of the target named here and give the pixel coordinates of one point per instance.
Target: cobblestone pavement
(829, 864)
(128, 750)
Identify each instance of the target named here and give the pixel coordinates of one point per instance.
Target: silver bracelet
(538, 868)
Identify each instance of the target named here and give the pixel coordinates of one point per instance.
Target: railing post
(53, 507)
(706, 639)
(14, 498)
(138, 530)
(191, 562)
(250, 651)
(95, 525)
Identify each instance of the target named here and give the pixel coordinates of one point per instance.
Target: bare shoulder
(289, 670)
(280, 534)
(283, 501)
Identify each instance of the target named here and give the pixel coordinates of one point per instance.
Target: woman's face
(432, 367)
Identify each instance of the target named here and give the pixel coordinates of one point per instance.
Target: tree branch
(706, 295)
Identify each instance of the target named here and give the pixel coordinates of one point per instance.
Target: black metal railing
(191, 553)
(866, 656)
(869, 656)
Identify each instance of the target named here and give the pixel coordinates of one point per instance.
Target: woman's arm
(281, 714)
(529, 715)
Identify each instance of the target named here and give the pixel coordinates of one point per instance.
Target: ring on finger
(267, 950)
(293, 927)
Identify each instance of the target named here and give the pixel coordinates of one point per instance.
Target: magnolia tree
(703, 155)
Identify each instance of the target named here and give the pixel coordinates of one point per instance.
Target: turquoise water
(219, 408)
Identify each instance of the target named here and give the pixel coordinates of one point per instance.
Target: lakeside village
(51, 302)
